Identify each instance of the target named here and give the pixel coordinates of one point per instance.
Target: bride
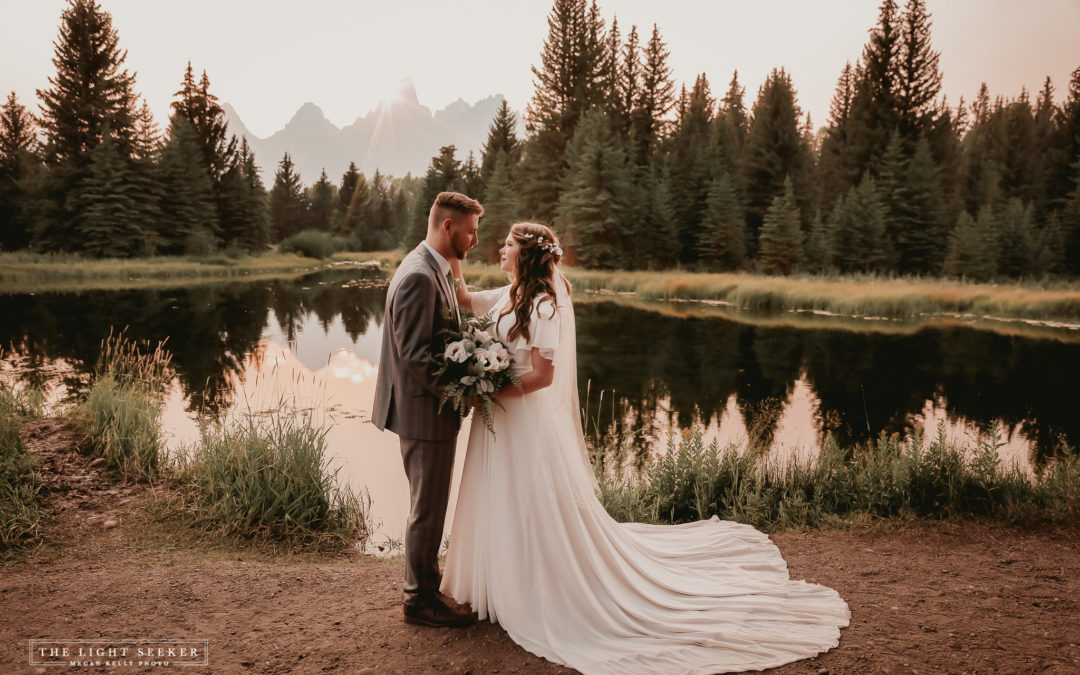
(533, 549)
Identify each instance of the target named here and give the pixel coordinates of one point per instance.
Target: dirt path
(943, 598)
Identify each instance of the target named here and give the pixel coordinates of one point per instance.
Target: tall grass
(266, 477)
(20, 508)
(852, 295)
(262, 477)
(27, 272)
(890, 479)
(119, 418)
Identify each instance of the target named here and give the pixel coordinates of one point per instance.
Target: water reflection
(669, 372)
(643, 373)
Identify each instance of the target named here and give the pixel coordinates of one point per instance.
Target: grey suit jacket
(407, 395)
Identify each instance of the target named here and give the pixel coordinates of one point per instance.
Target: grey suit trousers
(429, 466)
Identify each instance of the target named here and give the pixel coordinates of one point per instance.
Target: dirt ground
(949, 597)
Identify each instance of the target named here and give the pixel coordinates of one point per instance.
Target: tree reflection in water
(657, 371)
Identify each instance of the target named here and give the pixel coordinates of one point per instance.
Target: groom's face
(462, 233)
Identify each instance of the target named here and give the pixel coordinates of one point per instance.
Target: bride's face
(508, 255)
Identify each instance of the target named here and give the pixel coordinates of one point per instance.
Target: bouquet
(474, 365)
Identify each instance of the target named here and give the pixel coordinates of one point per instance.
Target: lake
(646, 370)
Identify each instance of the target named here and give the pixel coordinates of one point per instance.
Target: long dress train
(533, 549)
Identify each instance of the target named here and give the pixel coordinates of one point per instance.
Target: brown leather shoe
(438, 614)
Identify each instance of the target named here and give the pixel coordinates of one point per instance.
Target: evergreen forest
(633, 169)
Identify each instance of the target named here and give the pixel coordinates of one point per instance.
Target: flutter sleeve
(483, 301)
(544, 328)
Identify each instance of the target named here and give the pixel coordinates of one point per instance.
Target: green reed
(21, 515)
(266, 477)
(888, 479)
(119, 418)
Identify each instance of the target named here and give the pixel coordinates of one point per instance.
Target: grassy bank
(891, 479)
(33, 273)
(262, 479)
(20, 508)
(859, 295)
(266, 478)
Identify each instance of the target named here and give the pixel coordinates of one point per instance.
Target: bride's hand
(464, 298)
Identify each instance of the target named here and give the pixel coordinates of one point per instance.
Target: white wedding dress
(533, 549)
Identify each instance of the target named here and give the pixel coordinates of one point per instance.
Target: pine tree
(655, 98)
(818, 250)
(147, 138)
(722, 237)
(207, 118)
(443, 174)
(918, 76)
(253, 233)
(775, 149)
(1063, 173)
(1022, 175)
(1065, 178)
(104, 207)
(893, 189)
(500, 210)
(1070, 224)
(189, 221)
(610, 83)
(857, 227)
(733, 125)
(875, 108)
(837, 169)
(982, 163)
(595, 190)
(502, 137)
(1015, 229)
(1049, 246)
(90, 92)
(352, 195)
(629, 83)
(973, 248)
(919, 216)
(18, 144)
(562, 94)
(471, 181)
(781, 239)
(322, 200)
(1045, 150)
(657, 236)
(694, 163)
(288, 203)
(380, 210)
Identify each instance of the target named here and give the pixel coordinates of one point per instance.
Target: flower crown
(545, 244)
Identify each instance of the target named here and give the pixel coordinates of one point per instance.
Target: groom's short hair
(448, 203)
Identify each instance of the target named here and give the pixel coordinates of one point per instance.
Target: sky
(268, 57)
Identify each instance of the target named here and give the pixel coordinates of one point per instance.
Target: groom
(419, 303)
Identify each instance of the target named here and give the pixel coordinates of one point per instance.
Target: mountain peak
(406, 91)
(311, 116)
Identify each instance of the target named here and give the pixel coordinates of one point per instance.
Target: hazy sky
(267, 57)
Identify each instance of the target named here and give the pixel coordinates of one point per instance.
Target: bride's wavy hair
(540, 252)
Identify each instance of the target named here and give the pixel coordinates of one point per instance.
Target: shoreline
(947, 596)
(860, 297)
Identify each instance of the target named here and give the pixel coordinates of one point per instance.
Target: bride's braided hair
(540, 251)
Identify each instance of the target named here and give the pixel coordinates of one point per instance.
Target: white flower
(457, 351)
(486, 359)
(468, 379)
(478, 335)
(500, 357)
(485, 386)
